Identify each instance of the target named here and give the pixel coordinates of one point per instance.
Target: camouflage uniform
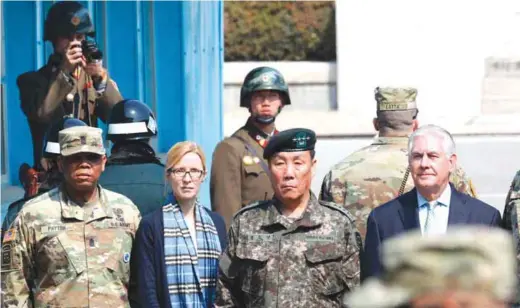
(58, 253)
(376, 174)
(510, 220)
(471, 258)
(273, 261)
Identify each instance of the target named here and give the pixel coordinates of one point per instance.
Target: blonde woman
(177, 247)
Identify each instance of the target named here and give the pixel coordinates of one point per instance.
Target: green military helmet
(263, 78)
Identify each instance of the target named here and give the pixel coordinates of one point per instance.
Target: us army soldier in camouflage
(378, 173)
(70, 247)
(291, 251)
(511, 221)
(470, 266)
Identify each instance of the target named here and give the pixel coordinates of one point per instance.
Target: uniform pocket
(118, 253)
(253, 170)
(253, 272)
(325, 272)
(119, 266)
(60, 259)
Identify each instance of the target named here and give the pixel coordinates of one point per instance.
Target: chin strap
(264, 120)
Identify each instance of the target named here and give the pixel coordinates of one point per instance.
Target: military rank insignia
(250, 160)
(300, 140)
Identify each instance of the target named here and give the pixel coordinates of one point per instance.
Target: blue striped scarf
(191, 271)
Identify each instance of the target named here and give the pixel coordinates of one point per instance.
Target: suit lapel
(408, 210)
(458, 213)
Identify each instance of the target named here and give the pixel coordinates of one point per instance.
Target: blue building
(167, 54)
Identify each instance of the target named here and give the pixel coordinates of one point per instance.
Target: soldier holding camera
(73, 82)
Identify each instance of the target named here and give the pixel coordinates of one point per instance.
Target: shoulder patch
(334, 206)
(250, 207)
(9, 236)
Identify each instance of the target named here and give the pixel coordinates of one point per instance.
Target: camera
(90, 50)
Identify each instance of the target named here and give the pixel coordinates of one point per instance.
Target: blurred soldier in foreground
(71, 245)
(133, 169)
(73, 82)
(378, 173)
(291, 251)
(48, 179)
(468, 267)
(239, 174)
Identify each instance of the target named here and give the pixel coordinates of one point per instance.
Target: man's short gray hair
(428, 130)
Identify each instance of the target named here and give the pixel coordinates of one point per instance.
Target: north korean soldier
(379, 172)
(290, 251)
(133, 168)
(470, 266)
(71, 246)
(73, 82)
(239, 174)
(51, 177)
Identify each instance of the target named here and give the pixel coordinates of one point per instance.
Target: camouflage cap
(81, 139)
(392, 99)
(470, 258)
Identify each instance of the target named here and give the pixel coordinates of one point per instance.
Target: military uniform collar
(258, 135)
(70, 209)
(310, 218)
(390, 140)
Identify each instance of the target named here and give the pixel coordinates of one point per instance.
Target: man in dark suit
(432, 206)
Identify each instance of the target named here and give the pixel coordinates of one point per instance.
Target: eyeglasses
(195, 174)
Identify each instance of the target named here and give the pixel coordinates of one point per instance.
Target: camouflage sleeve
(506, 217)
(513, 196)
(137, 221)
(351, 261)
(133, 287)
(12, 212)
(16, 268)
(225, 182)
(512, 224)
(325, 193)
(227, 284)
(462, 182)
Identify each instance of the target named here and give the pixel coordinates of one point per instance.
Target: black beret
(291, 140)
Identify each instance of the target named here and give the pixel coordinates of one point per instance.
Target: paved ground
(491, 161)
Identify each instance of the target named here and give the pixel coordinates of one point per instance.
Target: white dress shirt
(439, 224)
